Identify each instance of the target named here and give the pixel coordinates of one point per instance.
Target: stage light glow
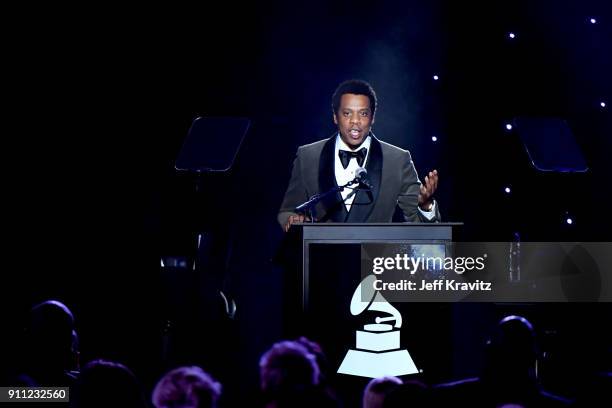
(507, 190)
(435, 77)
(508, 126)
(511, 36)
(434, 138)
(593, 21)
(569, 221)
(602, 104)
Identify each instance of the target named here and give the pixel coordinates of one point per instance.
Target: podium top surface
(378, 224)
(362, 232)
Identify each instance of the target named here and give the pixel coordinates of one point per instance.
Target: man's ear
(335, 118)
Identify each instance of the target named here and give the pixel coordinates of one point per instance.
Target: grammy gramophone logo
(377, 352)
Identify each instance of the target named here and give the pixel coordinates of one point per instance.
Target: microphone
(361, 176)
(302, 208)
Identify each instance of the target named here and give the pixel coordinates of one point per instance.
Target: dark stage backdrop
(103, 96)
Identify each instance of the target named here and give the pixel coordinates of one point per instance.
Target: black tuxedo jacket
(390, 171)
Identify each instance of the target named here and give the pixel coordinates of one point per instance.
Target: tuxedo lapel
(335, 210)
(366, 200)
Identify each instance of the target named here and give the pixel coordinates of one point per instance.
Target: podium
(305, 235)
(322, 273)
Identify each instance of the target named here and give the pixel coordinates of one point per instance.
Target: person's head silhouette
(107, 383)
(511, 349)
(288, 365)
(189, 387)
(52, 343)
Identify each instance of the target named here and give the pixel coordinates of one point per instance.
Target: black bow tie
(346, 156)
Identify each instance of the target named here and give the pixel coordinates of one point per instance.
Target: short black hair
(356, 87)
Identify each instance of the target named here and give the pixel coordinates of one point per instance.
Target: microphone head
(361, 172)
(361, 175)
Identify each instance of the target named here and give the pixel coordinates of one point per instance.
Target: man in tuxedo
(328, 163)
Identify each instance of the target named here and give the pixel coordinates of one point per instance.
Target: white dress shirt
(344, 176)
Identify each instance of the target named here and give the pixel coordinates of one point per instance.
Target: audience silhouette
(377, 389)
(50, 355)
(186, 387)
(509, 375)
(106, 384)
(291, 377)
(294, 374)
